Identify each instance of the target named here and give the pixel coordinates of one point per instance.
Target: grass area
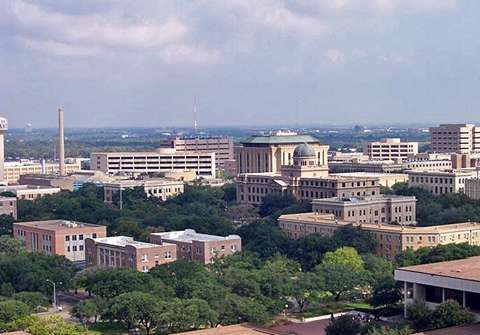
(106, 328)
(334, 307)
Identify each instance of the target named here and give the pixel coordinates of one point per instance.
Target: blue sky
(247, 62)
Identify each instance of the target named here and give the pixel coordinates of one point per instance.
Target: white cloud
(390, 5)
(178, 54)
(60, 49)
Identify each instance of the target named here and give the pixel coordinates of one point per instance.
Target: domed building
(304, 154)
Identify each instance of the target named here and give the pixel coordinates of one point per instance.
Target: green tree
(10, 246)
(386, 292)
(6, 224)
(50, 325)
(11, 310)
(389, 331)
(343, 325)
(339, 279)
(420, 315)
(344, 256)
(188, 314)
(276, 202)
(305, 288)
(86, 310)
(361, 240)
(136, 308)
(34, 300)
(449, 314)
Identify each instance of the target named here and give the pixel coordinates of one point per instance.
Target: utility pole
(54, 293)
(121, 199)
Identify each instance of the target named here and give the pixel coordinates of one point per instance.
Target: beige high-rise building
(221, 146)
(269, 153)
(390, 149)
(441, 182)
(3, 129)
(391, 238)
(455, 138)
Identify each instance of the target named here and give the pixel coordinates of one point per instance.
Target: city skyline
(139, 63)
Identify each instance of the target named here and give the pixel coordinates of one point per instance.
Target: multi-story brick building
(124, 252)
(460, 138)
(373, 209)
(8, 206)
(390, 148)
(153, 187)
(162, 160)
(391, 238)
(441, 182)
(199, 247)
(59, 237)
(221, 146)
(269, 153)
(306, 178)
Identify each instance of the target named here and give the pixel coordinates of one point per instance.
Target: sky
(244, 62)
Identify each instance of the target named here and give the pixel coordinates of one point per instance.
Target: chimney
(61, 143)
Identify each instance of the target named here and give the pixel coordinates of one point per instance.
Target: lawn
(106, 328)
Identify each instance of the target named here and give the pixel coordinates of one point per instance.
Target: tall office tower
(3, 129)
(61, 143)
(455, 138)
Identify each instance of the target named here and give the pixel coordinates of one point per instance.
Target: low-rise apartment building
(125, 252)
(390, 148)
(29, 192)
(153, 187)
(391, 238)
(13, 170)
(162, 160)
(373, 209)
(8, 206)
(221, 146)
(435, 283)
(440, 182)
(194, 246)
(57, 237)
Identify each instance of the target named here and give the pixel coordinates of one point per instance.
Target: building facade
(435, 283)
(57, 237)
(203, 248)
(391, 238)
(153, 187)
(384, 179)
(374, 209)
(29, 192)
(163, 160)
(461, 138)
(8, 206)
(13, 170)
(440, 182)
(124, 252)
(221, 146)
(389, 149)
(259, 154)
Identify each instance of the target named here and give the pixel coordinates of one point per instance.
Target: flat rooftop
(123, 241)
(189, 235)
(57, 224)
(467, 269)
(364, 199)
(280, 139)
(369, 174)
(329, 219)
(15, 188)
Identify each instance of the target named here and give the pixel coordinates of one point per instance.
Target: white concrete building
(29, 192)
(437, 282)
(460, 138)
(390, 148)
(162, 160)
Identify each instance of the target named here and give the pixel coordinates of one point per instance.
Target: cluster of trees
(439, 253)
(440, 209)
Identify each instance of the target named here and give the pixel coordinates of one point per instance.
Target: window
(74, 237)
(80, 237)
(67, 238)
(94, 235)
(80, 248)
(74, 248)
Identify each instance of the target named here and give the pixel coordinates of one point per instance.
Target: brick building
(59, 237)
(124, 252)
(8, 206)
(199, 247)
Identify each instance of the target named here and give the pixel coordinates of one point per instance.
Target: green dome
(304, 150)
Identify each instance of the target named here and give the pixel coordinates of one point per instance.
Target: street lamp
(54, 292)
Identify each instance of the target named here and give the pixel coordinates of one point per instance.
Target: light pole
(121, 199)
(54, 292)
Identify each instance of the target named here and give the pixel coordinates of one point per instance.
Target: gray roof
(189, 235)
(304, 150)
(280, 139)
